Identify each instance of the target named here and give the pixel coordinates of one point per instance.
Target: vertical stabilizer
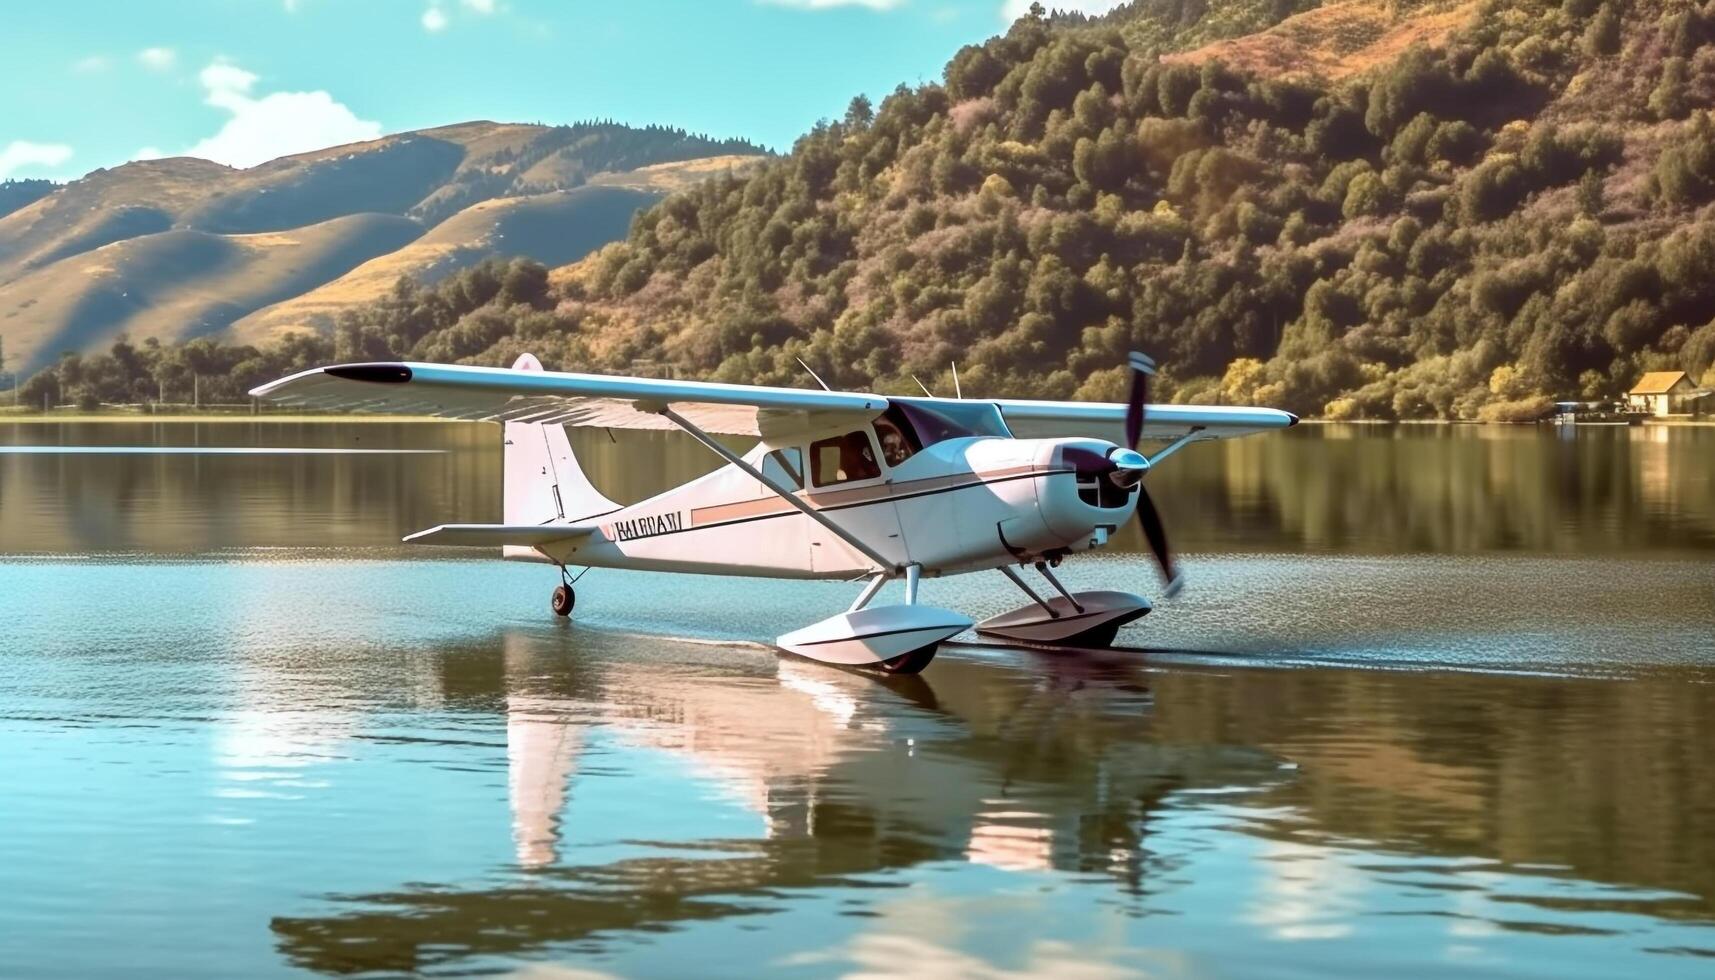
(543, 482)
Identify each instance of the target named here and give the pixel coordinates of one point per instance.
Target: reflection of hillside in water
(1046, 766)
(1592, 779)
(190, 503)
(1340, 488)
(1440, 488)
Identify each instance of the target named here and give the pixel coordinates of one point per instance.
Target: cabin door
(849, 487)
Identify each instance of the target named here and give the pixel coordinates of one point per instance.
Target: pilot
(894, 448)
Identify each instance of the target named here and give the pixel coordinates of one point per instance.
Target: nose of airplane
(1120, 466)
(1129, 466)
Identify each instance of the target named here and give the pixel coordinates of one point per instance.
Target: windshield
(929, 422)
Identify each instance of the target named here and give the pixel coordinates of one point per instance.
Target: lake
(1437, 700)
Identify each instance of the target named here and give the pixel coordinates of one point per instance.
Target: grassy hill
(183, 282)
(180, 248)
(1336, 40)
(553, 227)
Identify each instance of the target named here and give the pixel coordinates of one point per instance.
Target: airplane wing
(1100, 420)
(487, 394)
(457, 391)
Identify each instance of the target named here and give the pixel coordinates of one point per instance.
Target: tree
(1685, 172)
(1602, 37)
(1366, 196)
(1671, 98)
(1591, 200)
(859, 112)
(1491, 191)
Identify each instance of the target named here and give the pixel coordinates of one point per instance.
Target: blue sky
(86, 84)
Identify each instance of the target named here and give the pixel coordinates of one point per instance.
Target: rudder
(543, 483)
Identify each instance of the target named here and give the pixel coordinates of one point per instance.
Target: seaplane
(840, 485)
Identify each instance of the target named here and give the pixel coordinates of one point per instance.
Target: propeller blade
(1150, 520)
(1142, 367)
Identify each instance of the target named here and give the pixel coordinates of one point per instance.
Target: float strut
(912, 572)
(1042, 567)
(1027, 590)
(876, 581)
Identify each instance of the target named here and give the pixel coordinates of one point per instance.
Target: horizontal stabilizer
(496, 535)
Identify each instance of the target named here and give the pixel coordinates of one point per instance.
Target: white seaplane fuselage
(841, 485)
(963, 504)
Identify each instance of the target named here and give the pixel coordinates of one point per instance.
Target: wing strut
(784, 494)
(1176, 445)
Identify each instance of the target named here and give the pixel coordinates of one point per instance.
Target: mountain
(552, 227)
(1351, 209)
(179, 248)
(14, 194)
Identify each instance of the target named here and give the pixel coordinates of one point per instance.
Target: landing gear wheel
(564, 600)
(908, 663)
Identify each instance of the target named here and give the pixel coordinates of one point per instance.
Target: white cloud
(274, 124)
(91, 64)
(830, 4)
(148, 153)
(435, 18)
(18, 154)
(227, 85)
(157, 59)
(1011, 10)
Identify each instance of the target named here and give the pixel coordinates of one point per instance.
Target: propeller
(1148, 518)
(1125, 468)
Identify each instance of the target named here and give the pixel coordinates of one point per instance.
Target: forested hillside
(1516, 212)
(1349, 210)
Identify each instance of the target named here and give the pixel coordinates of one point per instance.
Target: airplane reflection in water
(809, 742)
(1002, 760)
(1369, 796)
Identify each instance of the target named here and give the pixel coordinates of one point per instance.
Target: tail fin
(544, 484)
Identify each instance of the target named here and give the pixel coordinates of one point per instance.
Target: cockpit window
(785, 467)
(843, 459)
(925, 423)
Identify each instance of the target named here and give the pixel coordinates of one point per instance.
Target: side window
(785, 467)
(896, 446)
(843, 459)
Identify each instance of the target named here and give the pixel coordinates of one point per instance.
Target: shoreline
(239, 414)
(180, 417)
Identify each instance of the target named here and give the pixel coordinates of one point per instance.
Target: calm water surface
(1438, 701)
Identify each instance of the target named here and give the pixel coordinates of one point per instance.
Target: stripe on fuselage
(744, 511)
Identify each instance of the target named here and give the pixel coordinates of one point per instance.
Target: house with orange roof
(1664, 394)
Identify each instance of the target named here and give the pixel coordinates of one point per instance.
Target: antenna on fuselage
(925, 387)
(958, 391)
(812, 374)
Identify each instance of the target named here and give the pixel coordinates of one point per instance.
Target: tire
(908, 663)
(564, 600)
